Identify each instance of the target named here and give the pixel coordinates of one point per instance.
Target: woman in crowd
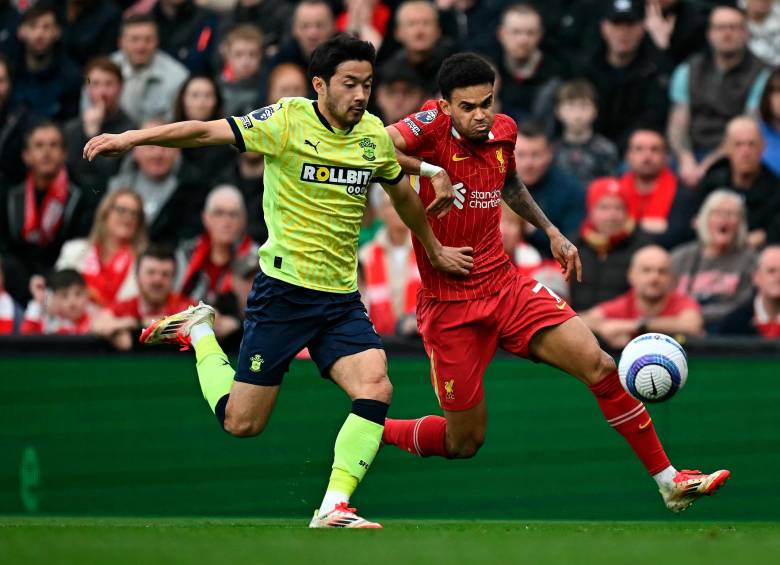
(200, 99)
(769, 110)
(106, 258)
(716, 269)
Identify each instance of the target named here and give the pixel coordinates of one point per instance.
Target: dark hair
(65, 278)
(772, 86)
(138, 19)
(106, 65)
(647, 129)
(43, 124)
(39, 10)
(336, 50)
(531, 129)
(463, 70)
(157, 251)
(179, 114)
(577, 90)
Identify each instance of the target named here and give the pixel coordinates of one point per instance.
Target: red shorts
(462, 336)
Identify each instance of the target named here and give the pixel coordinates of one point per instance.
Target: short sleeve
(262, 131)
(387, 170)
(419, 129)
(678, 87)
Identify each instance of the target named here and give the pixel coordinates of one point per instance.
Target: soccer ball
(653, 367)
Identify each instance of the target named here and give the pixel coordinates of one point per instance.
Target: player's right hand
(107, 144)
(453, 260)
(445, 195)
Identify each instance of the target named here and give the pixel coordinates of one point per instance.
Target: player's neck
(334, 123)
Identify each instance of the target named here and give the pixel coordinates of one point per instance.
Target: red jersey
(474, 221)
(134, 308)
(624, 307)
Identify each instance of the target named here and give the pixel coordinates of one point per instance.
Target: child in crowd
(10, 315)
(59, 306)
(581, 152)
(240, 82)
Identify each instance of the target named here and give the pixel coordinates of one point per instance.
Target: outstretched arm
(442, 186)
(455, 261)
(180, 134)
(519, 199)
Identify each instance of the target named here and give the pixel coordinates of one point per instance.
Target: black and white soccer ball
(653, 367)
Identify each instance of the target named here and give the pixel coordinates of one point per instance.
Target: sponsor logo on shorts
(256, 363)
(415, 129)
(426, 117)
(449, 389)
(355, 180)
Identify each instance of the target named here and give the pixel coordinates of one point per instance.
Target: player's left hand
(453, 260)
(445, 195)
(567, 255)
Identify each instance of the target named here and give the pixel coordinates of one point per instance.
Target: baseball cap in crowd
(625, 11)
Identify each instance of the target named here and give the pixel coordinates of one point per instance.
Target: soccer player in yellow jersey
(320, 157)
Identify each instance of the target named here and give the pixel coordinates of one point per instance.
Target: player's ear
(319, 85)
(445, 106)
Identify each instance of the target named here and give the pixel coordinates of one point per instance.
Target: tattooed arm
(518, 198)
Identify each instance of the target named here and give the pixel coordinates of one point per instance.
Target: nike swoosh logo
(561, 306)
(643, 426)
(457, 158)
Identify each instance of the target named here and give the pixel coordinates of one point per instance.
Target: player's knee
(601, 367)
(465, 448)
(241, 427)
(376, 386)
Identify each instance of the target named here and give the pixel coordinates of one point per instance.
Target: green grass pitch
(171, 541)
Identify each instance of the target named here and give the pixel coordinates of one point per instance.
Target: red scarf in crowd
(41, 226)
(598, 189)
(380, 304)
(7, 313)
(199, 261)
(655, 204)
(105, 279)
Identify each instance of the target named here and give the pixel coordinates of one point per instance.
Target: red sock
(630, 418)
(425, 436)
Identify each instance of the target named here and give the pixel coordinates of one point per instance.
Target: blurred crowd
(649, 132)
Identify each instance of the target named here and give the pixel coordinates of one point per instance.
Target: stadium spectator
(423, 48)
(152, 77)
(240, 82)
(14, 122)
(231, 307)
(102, 114)
(173, 195)
(10, 311)
(571, 26)
(769, 112)
(366, 19)
(272, 16)
(106, 258)
(529, 77)
(711, 88)
(287, 80)
(557, 193)
(207, 260)
(763, 21)
(313, 23)
(651, 305)
(398, 94)
(200, 99)
(187, 33)
(390, 274)
(156, 274)
(45, 78)
(741, 170)
(247, 176)
(91, 29)
(60, 305)
(677, 28)
(471, 23)
(47, 208)
(716, 268)
(580, 151)
(607, 241)
(9, 22)
(659, 203)
(760, 314)
(626, 72)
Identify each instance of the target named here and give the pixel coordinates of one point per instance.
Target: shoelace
(342, 507)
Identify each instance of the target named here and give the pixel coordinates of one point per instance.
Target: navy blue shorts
(281, 319)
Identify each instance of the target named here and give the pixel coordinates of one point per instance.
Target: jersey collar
(456, 135)
(325, 122)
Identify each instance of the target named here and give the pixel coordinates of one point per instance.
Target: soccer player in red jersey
(459, 139)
